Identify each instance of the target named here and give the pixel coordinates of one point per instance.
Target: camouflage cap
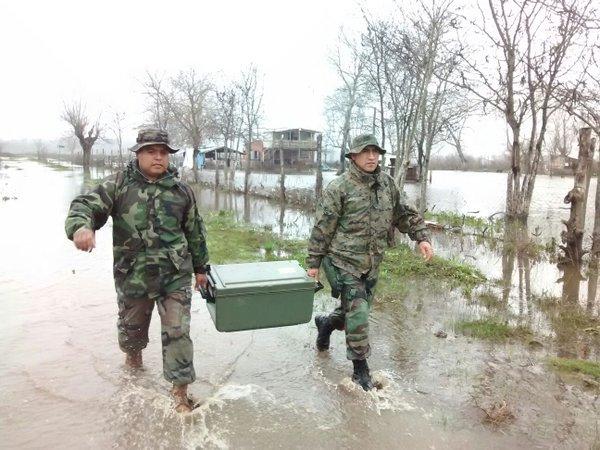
(360, 142)
(152, 136)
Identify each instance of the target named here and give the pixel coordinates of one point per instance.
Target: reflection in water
(592, 289)
(281, 217)
(247, 201)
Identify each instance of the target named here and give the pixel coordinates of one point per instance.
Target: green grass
(230, 241)
(456, 220)
(491, 330)
(402, 261)
(590, 368)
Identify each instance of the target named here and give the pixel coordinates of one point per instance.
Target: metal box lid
(270, 276)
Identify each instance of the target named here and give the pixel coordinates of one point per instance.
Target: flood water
(63, 382)
(479, 194)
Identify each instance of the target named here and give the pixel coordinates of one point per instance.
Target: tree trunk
(588, 178)
(423, 176)
(247, 176)
(226, 168)
(572, 237)
(595, 250)
(319, 180)
(87, 155)
(513, 184)
(345, 140)
(195, 163)
(281, 177)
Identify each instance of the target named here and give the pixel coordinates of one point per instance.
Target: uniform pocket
(182, 261)
(123, 267)
(333, 277)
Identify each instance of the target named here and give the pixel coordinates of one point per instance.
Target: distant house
(221, 155)
(297, 147)
(412, 171)
(562, 163)
(257, 150)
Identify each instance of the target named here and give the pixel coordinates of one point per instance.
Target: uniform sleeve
(328, 213)
(92, 209)
(195, 233)
(408, 220)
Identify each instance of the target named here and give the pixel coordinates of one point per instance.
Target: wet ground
(63, 383)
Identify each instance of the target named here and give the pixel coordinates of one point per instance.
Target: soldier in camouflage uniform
(355, 222)
(158, 242)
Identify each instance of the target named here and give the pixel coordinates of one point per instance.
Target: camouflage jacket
(355, 221)
(158, 235)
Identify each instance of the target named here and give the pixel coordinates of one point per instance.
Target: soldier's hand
(84, 239)
(426, 250)
(313, 273)
(201, 281)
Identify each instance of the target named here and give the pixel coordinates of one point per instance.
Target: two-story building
(297, 147)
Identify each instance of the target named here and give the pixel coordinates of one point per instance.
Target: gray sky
(64, 50)
(99, 52)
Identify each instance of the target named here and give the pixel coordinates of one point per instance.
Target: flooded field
(479, 194)
(64, 385)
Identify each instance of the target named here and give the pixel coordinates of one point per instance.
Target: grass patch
(402, 261)
(456, 220)
(57, 166)
(232, 242)
(584, 367)
(491, 330)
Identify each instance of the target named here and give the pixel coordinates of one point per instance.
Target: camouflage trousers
(356, 297)
(177, 347)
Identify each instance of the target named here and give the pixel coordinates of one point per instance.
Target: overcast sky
(64, 50)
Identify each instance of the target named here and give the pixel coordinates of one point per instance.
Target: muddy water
(63, 383)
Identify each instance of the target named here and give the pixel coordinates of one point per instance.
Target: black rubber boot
(325, 329)
(361, 375)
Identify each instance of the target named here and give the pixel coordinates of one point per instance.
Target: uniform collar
(364, 177)
(167, 180)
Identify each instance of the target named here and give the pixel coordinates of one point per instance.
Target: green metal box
(259, 295)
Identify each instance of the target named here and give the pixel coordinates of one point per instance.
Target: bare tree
(531, 46)
(181, 105)
(339, 123)
(116, 126)
(155, 89)
(188, 103)
(251, 95)
(413, 58)
(582, 101)
(563, 134)
(375, 45)
(87, 135)
(227, 118)
(41, 151)
(349, 62)
(319, 176)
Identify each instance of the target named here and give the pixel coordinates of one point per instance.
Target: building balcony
(293, 145)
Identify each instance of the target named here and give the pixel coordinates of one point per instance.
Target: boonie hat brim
(357, 150)
(141, 145)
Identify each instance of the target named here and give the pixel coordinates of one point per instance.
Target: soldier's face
(367, 160)
(153, 160)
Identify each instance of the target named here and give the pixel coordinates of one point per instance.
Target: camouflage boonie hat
(362, 141)
(152, 136)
